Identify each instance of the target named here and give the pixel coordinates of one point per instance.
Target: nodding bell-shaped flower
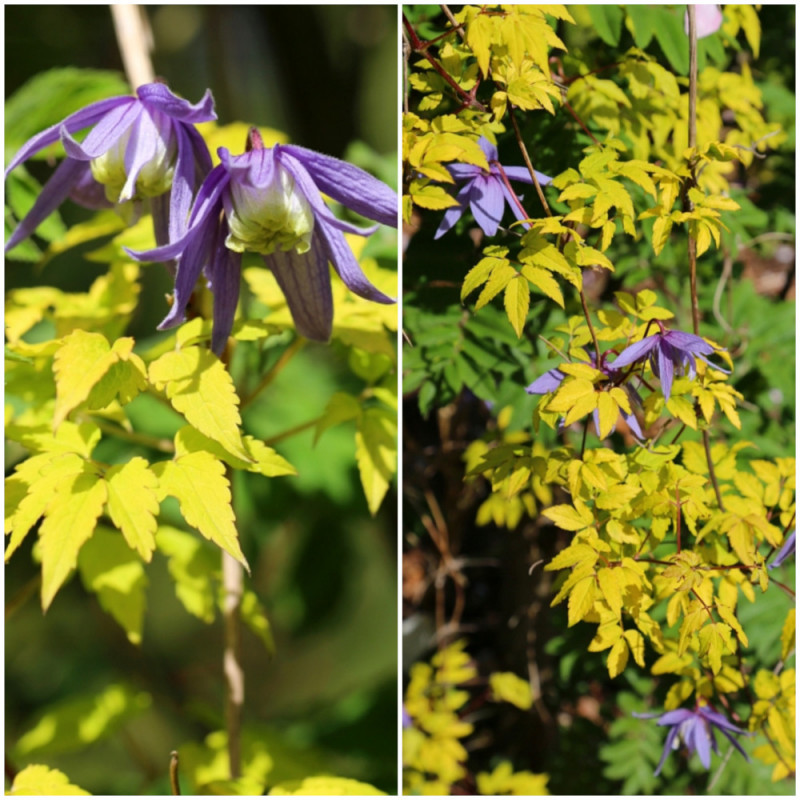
(140, 148)
(269, 201)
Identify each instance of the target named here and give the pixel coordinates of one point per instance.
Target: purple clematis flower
(268, 201)
(485, 192)
(696, 730)
(551, 380)
(140, 147)
(670, 352)
(787, 550)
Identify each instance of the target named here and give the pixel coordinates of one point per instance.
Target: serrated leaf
(581, 599)
(611, 585)
(69, 521)
(81, 361)
(324, 785)
(544, 282)
(376, 453)
(608, 412)
(197, 481)
(133, 505)
(636, 644)
(109, 569)
(40, 781)
(569, 518)
(342, 407)
(199, 387)
(617, 657)
(517, 300)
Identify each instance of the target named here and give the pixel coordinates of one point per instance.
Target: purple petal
(74, 122)
(345, 264)
(208, 201)
(53, 194)
(349, 185)
(224, 272)
(787, 550)
(183, 181)
(159, 207)
(635, 352)
(514, 205)
(487, 203)
(105, 134)
(142, 148)
(698, 739)
(675, 717)
(664, 370)
(633, 424)
(546, 383)
(688, 342)
(489, 149)
(453, 214)
(522, 174)
(158, 96)
(673, 732)
(197, 254)
(87, 192)
(306, 283)
(464, 172)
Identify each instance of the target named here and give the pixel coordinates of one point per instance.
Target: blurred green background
(324, 569)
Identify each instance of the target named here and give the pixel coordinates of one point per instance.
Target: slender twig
(418, 46)
(233, 585)
(270, 376)
(303, 426)
(135, 41)
(689, 206)
(507, 183)
(145, 440)
(528, 164)
(589, 323)
(173, 773)
(456, 25)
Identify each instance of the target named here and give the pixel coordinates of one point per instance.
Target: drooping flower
(268, 201)
(787, 550)
(484, 192)
(696, 730)
(708, 19)
(670, 353)
(139, 147)
(551, 380)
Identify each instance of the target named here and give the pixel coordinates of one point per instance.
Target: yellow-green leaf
(569, 518)
(133, 505)
(511, 688)
(198, 482)
(199, 387)
(608, 411)
(38, 780)
(109, 569)
(544, 282)
(69, 522)
(517, 300)
(376, 453)
(581, 599)
(788, 635)
(617, 657)
(324, 786)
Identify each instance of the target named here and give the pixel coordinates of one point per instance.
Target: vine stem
(689, 206)
(528, 164)
(135, 41)
(232, 585)
(285, 358)
(174, 783)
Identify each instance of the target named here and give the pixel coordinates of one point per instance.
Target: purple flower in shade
(670, 352)
(551, 380)
(269, 201)
(785, 551)
(696, 730)
(708, 20)
(139, 147)
(485, 192)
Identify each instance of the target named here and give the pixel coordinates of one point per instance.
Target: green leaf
(197, 481)
(255, 617)
(644, 24)
(376, 453)
(72, 725)
(41, 781)
(607, 21)
(133, 505)
(199, 387)
(673, 39)
(109, 569)
(69, 521)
